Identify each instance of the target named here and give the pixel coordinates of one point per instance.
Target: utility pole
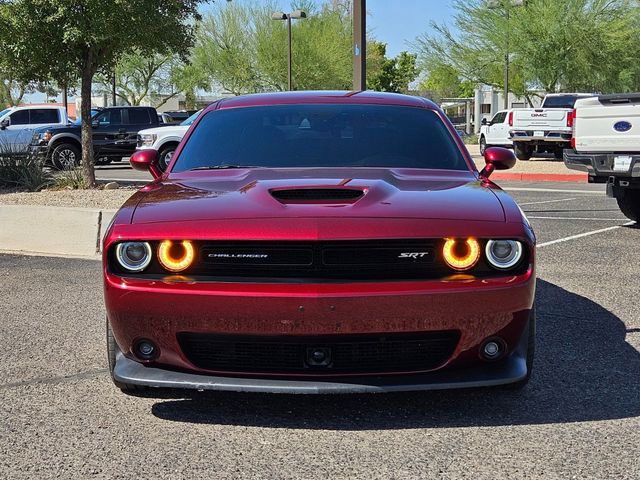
(298, 14)
(359, 45)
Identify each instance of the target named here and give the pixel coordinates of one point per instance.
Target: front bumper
(601, 164)
(510, 370)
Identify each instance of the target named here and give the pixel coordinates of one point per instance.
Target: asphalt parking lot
(578, 418)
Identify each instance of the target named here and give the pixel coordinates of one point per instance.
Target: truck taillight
(571, 117)
(511, 119)
(573, 142)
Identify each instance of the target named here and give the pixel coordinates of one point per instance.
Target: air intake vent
(329, 195)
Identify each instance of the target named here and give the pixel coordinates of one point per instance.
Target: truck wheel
(483, 145)
(629, 203)
(112, 350)
(65, 156)
(165, 155)
(523, 152)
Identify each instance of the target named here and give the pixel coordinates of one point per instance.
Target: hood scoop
(324, 195)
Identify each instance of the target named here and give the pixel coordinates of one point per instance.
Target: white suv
(164, 139)
(496, 132)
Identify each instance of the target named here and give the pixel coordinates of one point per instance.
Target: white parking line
(525, 189)
(581, 235)
(592, 219)
(548, 201)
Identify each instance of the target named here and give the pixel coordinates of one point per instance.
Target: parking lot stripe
(581, 235)
(547, 201)
(592, 219)
(533, 189)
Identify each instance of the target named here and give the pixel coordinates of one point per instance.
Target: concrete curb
(58, 231)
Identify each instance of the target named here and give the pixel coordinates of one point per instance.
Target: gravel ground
(101, 199)
(578, 418)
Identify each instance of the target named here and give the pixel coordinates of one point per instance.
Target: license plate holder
(622, 163)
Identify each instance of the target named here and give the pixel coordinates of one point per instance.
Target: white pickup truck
(544, 129)
(17, 123)
(606, 144)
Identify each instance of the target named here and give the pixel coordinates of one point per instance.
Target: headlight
(461, 255)
(134, 256)
(146, 139)
(176, 256)
(503, 254)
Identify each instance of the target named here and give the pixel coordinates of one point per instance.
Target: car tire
(523, 152)
(483, 145)
(629, 203)
(531, 350)
(112, 351)
(65, 156)
(165, 155)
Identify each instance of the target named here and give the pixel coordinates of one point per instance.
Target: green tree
(556, 45)
(241, 49)
(46, 37)
(389, 74)
(444, 81)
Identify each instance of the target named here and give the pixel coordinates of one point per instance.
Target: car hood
(318, 193)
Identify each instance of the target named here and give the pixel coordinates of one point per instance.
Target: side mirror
(4, 124)
(497, 158)
(146, 160)
(484, 121)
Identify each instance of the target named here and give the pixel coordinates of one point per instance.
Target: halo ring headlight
(503, 254)
(134, 256)
(176, 256)
(461, 255)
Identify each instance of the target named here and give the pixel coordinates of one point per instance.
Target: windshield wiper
(222, 167)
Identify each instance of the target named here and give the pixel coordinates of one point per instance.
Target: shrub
(70, 179)
(20, 169)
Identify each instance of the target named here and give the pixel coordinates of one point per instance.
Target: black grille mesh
(348, 354)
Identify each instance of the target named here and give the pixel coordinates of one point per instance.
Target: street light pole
(506, 5)
(288, 16)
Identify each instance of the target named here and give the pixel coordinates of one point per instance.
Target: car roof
(326, 97)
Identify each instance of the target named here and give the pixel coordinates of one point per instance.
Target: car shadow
(584, 371)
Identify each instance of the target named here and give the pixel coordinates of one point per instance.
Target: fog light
(492, 349)
(145, 350)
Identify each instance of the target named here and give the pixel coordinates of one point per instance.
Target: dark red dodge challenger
(320, 242)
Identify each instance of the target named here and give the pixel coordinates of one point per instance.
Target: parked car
(174, 117)
(17, 123)
(495, 133)
(164, 139)
(546, 129)
(311, 242)
(115, 135)
(606, 145)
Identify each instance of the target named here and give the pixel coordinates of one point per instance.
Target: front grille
(347, 354)
(361, 259)
(317, 194)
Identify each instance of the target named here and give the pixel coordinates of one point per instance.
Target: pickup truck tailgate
(546, 119)
(607, 124)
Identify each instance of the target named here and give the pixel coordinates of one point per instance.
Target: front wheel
(165, 156)
(522, 151)
(629, 203)
(65, 156)
(483, 145)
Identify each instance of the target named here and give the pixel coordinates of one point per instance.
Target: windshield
(321, 136)
(191, 119)
(560, 101)
(78, 121)
(4, 111)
